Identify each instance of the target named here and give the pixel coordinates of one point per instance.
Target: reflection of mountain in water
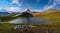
(31, 21)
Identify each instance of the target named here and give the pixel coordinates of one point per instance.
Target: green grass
(7, 25)
(55, 17)
(8, 28)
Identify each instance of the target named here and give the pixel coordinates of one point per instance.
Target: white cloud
(50, 7)
(13, 9)
(38, 10)
(2, 8)
(17, 2)
(55, 2)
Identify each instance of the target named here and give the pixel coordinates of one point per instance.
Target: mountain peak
(27, 9)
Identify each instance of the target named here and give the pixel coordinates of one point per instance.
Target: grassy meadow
(53, 27)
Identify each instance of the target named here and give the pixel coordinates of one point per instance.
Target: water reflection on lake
(32, 20)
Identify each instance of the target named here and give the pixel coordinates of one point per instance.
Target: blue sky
(35, 5)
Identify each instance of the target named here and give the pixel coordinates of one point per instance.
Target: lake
(32, 20)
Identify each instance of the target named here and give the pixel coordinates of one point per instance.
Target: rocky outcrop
(33, 13)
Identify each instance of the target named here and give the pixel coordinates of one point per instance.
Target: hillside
(53, 15)
(50, 11)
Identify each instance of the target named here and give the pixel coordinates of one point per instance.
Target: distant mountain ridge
(4, 13)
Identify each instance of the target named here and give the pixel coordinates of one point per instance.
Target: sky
(34, 5)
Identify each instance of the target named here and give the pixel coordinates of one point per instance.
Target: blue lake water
(32, 20)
